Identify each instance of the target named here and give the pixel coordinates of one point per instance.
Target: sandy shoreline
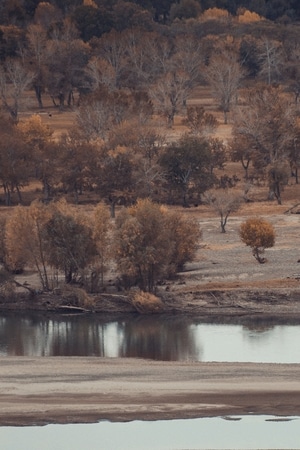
(36, 391)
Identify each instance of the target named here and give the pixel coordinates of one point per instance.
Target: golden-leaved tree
(68, 241)
(258, 234)
(24, 243)
(152, 243)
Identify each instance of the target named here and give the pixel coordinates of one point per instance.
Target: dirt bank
(66, 390)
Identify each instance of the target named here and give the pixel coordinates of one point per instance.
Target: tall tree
(169, 94)
(67, 57)
(24, 240)
(113, 176)
(35, 55)
(44, 151)
(271, 60)
(224, 75)
(69, 243)
(266, 125)
(15, 79)
(111, 47)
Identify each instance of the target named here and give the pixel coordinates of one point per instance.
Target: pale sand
(86, 389)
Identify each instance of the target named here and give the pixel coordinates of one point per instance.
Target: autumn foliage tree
(152, 244)
(24, 243)
(69, 242)
(258, 234)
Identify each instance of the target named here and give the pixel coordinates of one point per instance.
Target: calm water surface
(168, 338)
(249, 432)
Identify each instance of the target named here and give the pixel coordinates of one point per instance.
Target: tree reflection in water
(157, 337)
(170, 339)
(153, 337)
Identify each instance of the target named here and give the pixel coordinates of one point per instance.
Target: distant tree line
(104, 15)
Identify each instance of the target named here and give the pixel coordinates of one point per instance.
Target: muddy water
(168, 338)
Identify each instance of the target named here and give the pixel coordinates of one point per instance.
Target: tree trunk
(112, 205)
(38, 94)
(46, 191)
(223, 225)
(225, 117)
(19, 195)
(7, 195)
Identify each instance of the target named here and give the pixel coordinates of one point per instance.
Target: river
(163, 338)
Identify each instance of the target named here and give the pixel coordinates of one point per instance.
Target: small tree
(187, 166)
(258, 234)
(200, 122)
(223, 203)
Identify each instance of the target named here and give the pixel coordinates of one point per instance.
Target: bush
(145, 302)
(258, 234)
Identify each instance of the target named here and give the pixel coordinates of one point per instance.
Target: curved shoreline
(37, 391)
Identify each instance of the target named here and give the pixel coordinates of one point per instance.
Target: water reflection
(251, 432)
(167, 338)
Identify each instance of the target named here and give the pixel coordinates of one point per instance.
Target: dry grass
(145, 302)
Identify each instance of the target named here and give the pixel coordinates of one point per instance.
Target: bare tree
(271, 60)
(224, 75)
(139, 66)
(36, 55)
(100, 73)
(14, 80)
(265, 130)
(224, 203)
(189, 56)
(111, 48)
(170, 93)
